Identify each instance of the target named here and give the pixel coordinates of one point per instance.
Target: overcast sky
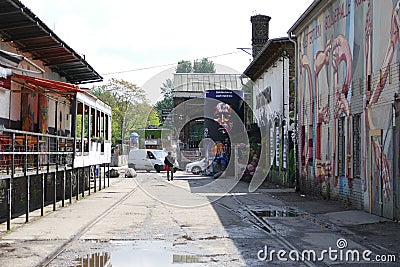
(123, 35)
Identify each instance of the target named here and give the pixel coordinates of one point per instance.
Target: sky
(142, 41)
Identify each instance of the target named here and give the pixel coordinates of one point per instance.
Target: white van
(147, 159)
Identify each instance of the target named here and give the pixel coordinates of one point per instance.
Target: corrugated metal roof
(20, 27)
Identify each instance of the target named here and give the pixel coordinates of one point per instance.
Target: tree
(203, 66)
(167, 102)
(199, 66)
(140, 116)
(184, 66)
(167, 87)
(130, 108)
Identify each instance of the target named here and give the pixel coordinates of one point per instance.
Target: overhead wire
(165, 65)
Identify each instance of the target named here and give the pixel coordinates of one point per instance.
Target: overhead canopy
(46, 85)
(25, 31)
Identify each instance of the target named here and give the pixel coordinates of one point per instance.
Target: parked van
(146, 159)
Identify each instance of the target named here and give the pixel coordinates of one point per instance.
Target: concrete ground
(193, 220)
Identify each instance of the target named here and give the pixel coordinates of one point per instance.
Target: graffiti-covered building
(271, 88)
(347, 92)
(271, 72)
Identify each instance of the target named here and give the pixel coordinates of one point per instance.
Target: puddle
(275, 213)
(137, 253)
(185, 259)
(96, 259)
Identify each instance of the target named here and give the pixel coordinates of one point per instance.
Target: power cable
(164, 65)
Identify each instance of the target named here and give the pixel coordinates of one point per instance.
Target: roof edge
(310, 9)
(29, 13)
(266, 46)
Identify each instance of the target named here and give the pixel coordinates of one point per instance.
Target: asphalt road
(190, 221)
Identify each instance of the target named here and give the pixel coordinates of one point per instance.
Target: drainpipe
(295, 112)
(283, 118)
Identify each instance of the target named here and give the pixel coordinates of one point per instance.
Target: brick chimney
(260, 32)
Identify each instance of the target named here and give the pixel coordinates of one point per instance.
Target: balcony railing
(24, 152)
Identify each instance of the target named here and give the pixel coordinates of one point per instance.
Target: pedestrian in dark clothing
(169, 165)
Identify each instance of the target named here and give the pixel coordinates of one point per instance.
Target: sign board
(223, 113)
(165, 113)
(150, 142)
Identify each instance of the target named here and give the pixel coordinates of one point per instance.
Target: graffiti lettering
(337, 13)
(263, 98)
(312, 35)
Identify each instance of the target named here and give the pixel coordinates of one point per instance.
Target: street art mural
(28, 107)
(348, 57)
(43, 113)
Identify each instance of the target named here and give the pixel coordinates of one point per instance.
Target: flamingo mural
(331, 59)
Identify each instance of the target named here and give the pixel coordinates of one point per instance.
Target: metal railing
(24, 152)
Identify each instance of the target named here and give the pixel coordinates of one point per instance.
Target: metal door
(380, 184)
(375, 185)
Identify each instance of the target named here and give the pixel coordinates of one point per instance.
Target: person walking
(169, 165)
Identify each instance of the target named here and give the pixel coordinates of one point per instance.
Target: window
(107, 136)
(341, 148)
(356, 146)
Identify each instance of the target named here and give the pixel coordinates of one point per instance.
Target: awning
(22, 29)
(46, 85)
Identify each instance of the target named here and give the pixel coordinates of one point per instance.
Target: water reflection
(137, 253)
(275, 213)
(98, 259)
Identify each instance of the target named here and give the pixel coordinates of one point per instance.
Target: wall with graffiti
(348, 74)
(271, 98)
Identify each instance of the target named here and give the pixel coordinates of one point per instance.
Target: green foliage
(130, 108)
(167, 102)
(184, 66)
(199, 66)
(167, 88)
(153, 118)
(203, 66)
